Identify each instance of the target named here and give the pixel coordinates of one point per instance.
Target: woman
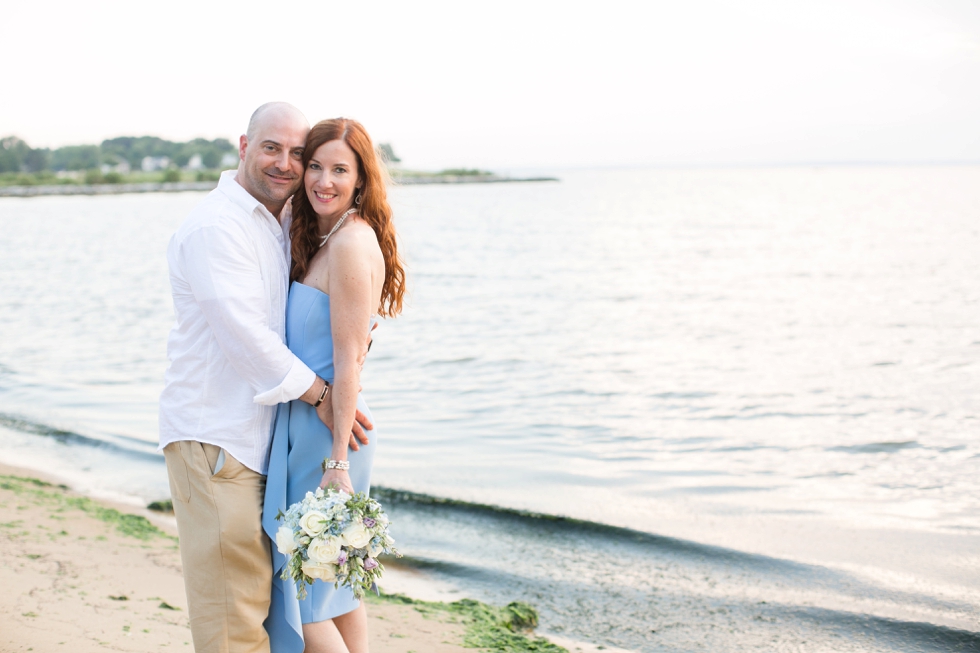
(345, 270)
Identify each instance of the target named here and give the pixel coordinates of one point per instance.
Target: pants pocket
(212, 456)
(231, 469)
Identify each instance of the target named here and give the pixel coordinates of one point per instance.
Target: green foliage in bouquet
(334, 537)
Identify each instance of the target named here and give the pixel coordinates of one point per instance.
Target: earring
(357, 200)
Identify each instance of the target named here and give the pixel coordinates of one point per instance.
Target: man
(229, 368)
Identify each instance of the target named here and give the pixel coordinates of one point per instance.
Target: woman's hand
(338, 479)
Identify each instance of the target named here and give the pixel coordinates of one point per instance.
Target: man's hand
(325, 412)
(361, 423)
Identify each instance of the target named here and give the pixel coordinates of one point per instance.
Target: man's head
(271, 153)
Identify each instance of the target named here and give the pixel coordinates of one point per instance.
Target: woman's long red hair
(373, 209)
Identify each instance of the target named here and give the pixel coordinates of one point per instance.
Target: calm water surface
(781, 363)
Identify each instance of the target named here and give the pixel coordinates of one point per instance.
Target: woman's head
(332, 180)
(328, 166)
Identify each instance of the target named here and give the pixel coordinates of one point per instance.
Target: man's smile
(280, 178)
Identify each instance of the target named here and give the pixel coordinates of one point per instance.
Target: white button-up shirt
(229, 368)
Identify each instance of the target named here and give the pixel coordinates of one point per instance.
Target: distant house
(121, 166)
(195, 163)
(154, 163)
(229, 160)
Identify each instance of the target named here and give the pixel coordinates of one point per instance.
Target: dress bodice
(308, 332)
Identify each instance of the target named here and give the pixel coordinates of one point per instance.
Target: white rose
(323, 572)
(313, 522)
(324, 550)
(374, 550)
(285, 541)
(356, 535)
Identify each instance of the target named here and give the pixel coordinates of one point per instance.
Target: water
(775, 368)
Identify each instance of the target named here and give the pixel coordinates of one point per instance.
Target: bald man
(229, 369)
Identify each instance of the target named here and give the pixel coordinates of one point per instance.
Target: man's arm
(220, 267)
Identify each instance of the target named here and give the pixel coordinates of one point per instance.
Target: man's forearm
(317, 393)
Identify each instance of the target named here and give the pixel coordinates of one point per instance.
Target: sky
(505, 85)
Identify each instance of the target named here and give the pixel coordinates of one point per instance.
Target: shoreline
(186, 186)
(816, 566)
(102, 574)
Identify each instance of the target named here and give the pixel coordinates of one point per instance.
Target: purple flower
(369, 522)
(342, 558)
(369, 564)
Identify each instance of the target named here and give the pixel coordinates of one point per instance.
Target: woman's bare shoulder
(354, 240)
(358, 236)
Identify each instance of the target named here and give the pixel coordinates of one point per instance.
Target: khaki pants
(225, 553)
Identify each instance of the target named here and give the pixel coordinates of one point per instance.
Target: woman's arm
(351, 305)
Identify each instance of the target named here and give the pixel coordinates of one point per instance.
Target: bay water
(695, 409)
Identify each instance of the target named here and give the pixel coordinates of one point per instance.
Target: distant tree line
(18, 156)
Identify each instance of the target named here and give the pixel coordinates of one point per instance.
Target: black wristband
(323, 394)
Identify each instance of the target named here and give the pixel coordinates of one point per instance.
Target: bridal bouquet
(334, 537)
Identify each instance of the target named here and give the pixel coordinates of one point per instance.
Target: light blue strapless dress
(299, 445)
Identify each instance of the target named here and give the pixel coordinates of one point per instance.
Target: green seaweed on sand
(165, 505)
(56, 496)
(498, 630)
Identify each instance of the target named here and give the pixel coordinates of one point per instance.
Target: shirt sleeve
(225, 278)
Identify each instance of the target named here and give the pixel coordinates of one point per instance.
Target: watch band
(323, 394)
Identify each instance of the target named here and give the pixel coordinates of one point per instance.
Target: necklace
(323, 241)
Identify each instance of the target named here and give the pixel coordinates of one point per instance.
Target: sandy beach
(82, 575)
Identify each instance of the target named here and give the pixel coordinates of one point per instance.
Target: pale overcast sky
(514, 84)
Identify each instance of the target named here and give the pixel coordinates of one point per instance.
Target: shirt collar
(228, 184)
